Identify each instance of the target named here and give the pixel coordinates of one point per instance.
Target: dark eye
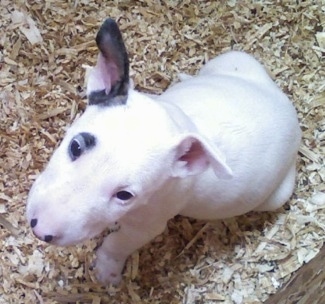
(80, 143)
(124, 195)
(75, 148)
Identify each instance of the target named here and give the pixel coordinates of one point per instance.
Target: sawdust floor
(44, 49)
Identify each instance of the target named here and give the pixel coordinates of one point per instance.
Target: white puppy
(213, 146)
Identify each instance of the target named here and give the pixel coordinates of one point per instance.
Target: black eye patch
(80, 143)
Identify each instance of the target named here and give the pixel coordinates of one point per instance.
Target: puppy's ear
(108, 81)
(194, 155)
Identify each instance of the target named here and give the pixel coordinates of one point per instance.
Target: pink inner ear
(195, 151)
(108, 72)
(195, 157)
(102, 76)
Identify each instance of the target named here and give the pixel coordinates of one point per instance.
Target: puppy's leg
(118, 245)
(282, 193)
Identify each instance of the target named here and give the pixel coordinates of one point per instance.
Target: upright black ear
(108, 82)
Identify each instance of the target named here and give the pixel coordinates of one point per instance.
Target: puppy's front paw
(108, 269)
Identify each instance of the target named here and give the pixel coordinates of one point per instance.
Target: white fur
(212, 146)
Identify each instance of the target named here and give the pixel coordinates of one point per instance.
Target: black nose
(48, 238)
(33, 223)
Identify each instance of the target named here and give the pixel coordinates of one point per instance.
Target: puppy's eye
(76, 148)
(124, 195)
(80, 143)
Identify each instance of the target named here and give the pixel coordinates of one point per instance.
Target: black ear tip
(108, 28)
(109, 24)
(110, 21)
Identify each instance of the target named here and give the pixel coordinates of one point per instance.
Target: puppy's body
(252, 123)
